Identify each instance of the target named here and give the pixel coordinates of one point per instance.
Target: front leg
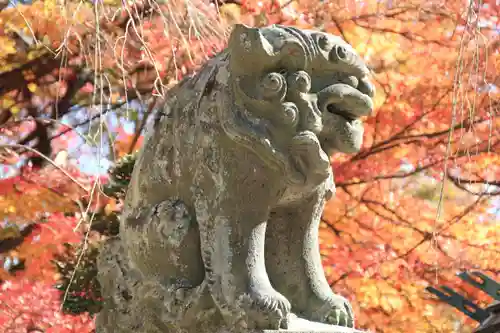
(232, 233)
(294, 264)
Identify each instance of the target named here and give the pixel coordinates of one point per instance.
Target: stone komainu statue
(220, 224)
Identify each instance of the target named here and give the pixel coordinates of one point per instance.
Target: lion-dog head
(298, 96)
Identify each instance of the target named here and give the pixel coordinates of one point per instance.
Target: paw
(267, 309)
(336, 310)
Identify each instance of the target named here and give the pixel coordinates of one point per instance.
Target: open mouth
(348, 116)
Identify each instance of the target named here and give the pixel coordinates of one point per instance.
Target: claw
(269, 310)
(342, 318)
(334, 310)
(350, 315)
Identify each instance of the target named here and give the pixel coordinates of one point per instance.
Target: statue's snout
(347, 101)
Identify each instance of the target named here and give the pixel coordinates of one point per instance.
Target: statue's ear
(250, 51)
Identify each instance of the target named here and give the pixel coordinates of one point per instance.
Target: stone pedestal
(299, 325)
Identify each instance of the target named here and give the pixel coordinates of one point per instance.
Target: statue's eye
(337, 52)
(324, 43)
(340, 53)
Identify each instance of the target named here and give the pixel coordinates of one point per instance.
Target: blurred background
(420, 202)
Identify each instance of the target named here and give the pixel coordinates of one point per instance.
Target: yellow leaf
(115, 97)
(7, 103)
(32, 87)
(230, 13)
(15, 109)
(391, 303)
(402, 152)
(46, 40)
(49, 7)
(112, 2)
(7, 46)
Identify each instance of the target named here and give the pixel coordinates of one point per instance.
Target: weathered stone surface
(220, 226)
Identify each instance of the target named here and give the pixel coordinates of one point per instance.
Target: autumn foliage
(418, 203)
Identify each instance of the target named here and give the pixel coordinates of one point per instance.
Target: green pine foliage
(78, 271)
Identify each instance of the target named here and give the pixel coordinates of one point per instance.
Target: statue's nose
(366, 87)
(345, 100)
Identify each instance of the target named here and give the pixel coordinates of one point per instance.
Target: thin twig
(16, 146)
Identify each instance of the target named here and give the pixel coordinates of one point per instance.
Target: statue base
(299, 325)
(135, 304)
